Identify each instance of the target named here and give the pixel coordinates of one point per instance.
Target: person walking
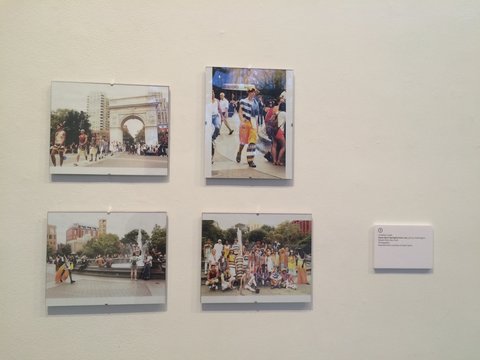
(82, 146)
(248, 128)
(58, 146)
(224, 112)
(216, 121)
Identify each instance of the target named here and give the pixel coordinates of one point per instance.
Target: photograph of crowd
(248, 123)
(95, 258)
(99, 129)
(256, 258)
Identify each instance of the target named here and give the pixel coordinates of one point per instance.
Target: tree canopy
(73, 121)
(210, 230)
(257, 235)
(158, 240)
(105, 244)
(130, 238)
(127, 137)
(286, 233)
(64, 249)
(140, 136)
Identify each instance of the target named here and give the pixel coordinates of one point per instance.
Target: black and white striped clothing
(247, 108)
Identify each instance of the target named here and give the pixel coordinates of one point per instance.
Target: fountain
(143, 248)
(121, 267)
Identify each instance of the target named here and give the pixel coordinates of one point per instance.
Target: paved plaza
(224, 163)
(304, 289)
(117, 160)
(264, 291)
(89, 288)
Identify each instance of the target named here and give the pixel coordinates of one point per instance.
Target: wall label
(403, 247)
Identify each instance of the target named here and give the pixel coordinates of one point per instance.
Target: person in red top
(82, 145)
(213, 278)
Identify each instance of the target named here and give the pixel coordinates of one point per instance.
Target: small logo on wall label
(380, 230)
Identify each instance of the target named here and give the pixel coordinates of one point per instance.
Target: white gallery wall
(387, 130)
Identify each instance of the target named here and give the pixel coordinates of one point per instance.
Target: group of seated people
(217, 280)
(104, 261)
(231, 267)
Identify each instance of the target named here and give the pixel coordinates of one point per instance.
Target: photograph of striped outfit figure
(248, 127)
(256, 108)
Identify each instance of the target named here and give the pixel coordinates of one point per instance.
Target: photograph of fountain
(109, 129)
(256, 258)
(248, 123)
(95, 258)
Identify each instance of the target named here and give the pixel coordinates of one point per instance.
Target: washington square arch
(151, 110)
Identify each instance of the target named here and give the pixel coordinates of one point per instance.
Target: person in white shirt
(218, 249)
(224, 112)
(216, 118)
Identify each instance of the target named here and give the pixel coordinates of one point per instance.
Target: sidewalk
(224, 162)
(89, 290)
(120, 159)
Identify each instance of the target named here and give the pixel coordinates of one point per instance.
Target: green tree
(64, 249)
(105, 244)
(127, 137)
(158, 239)
(257, 235)
(130, 238)
(230, 235)
(50, 251)
(306, 244)
(269, 233)
(267, 228)
(73, 121)
(140, 136)
(211, 231)
(92, 249)
(288, 233)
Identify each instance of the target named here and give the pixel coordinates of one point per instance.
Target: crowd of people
(64, 265)
(97, 147)
(234, 266)
(258, 117)
(146, 150)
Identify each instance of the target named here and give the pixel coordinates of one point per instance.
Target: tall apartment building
(97, 110)
(162, 109)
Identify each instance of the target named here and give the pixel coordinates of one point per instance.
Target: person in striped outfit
(248, 128)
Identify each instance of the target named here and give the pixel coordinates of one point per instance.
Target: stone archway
(124, 122)
(143, 108)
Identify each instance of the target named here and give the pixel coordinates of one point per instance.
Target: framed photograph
(248, 123)
(104, 129)
(98, 258)
(256, 258)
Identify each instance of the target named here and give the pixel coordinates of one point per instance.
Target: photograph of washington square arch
(104, 129)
